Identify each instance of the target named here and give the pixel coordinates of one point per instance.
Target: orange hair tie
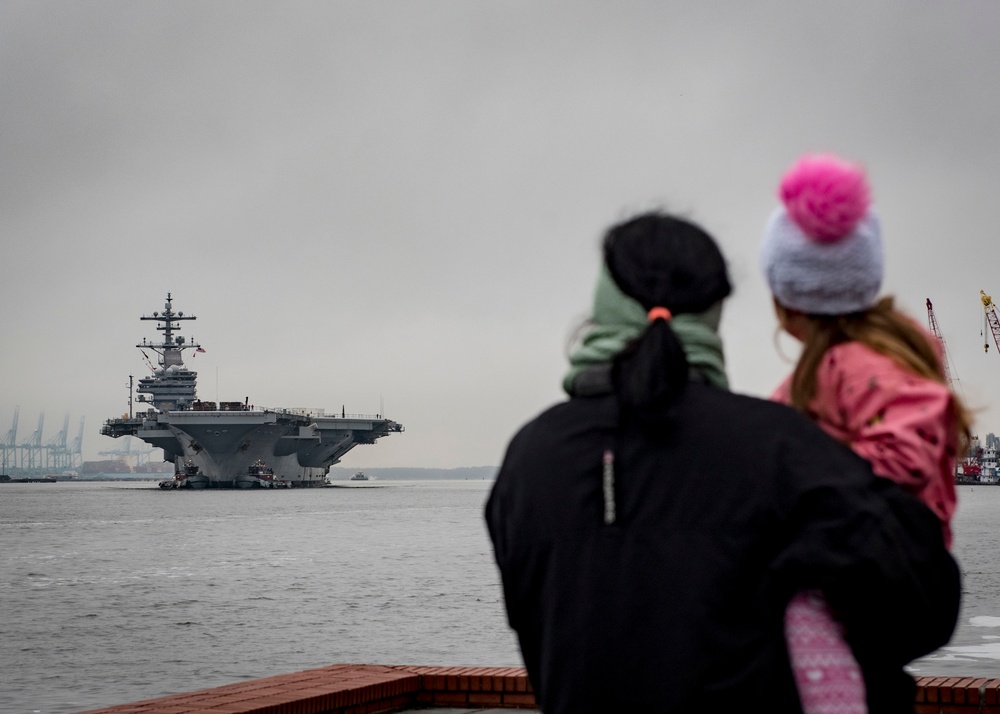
(658, 313)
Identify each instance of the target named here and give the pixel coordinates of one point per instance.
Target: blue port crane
(8, 446)
(31, 450)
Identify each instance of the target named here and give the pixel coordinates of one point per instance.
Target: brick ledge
(370, 689)
(350, 689)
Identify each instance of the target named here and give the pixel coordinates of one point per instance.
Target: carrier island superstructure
(220, 445)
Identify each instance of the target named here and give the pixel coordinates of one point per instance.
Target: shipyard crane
(970, 465)
(990, 319)
(31, 450)
(56, 448)
(8, 446)
(34, 455)
(945, 359)
(76, 449)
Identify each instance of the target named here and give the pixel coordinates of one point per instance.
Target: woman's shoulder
(701, 406)
(766, 419)
(574, 415)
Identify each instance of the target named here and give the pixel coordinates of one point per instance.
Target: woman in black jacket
(650, 530)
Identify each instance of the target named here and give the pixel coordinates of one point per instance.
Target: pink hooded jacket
(899, 422)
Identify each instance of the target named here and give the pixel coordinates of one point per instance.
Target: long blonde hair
(885, 330)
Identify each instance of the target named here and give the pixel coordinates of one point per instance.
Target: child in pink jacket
(869, 375)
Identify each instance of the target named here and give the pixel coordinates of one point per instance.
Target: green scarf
(618, 319)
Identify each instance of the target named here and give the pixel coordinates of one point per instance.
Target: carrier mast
(172, 386)
(171, 348)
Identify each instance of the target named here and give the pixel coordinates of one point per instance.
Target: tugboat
(260, 475)
(359, 476)
(224, 440)
(189, 477)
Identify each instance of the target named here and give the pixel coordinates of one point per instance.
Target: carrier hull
(223, 445)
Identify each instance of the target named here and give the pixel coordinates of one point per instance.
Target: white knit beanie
(822, 250)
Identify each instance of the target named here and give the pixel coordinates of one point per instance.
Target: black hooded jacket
(723, 509)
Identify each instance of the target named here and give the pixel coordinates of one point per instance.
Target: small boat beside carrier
(260, 475)
(189, 477)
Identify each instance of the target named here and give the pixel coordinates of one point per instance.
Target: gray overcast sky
(401, 202)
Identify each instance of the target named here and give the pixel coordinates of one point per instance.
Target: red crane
(991, 320)
(967, 469)
(932, 322)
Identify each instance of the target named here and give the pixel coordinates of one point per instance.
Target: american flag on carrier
(196, 352)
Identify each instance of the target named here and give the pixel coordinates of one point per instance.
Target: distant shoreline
(405, 473)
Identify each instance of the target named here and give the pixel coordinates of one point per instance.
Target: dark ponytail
(664, 261)
(652, 370)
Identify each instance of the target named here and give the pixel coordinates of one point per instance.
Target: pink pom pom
(825, 196)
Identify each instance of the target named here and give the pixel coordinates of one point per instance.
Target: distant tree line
(404, 473)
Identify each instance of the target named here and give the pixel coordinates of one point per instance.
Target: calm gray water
(111, 593)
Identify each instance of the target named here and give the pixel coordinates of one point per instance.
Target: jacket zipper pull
(609, 487)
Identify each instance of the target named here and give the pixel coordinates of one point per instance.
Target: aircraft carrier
(225, 445)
